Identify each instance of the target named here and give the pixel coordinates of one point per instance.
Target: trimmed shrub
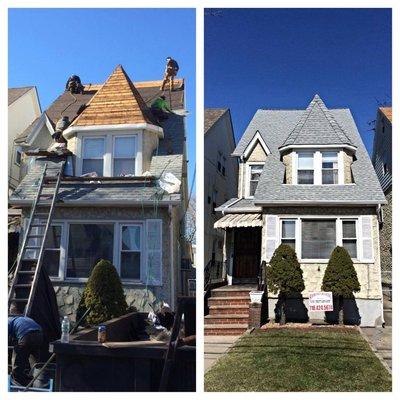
(284, 275)
(340, 277)
(103, 294)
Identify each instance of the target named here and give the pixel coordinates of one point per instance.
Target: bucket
(43, 380)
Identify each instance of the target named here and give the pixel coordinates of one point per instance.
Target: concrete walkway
(380, 340)
(215, 347)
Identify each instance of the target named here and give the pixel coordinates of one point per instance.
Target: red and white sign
(320, 301)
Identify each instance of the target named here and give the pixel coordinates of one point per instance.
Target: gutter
(171, 249)
(317, 203)
(100, 203)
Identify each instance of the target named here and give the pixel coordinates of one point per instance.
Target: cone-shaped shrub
(284, 275)
(104, 294)
(340, 277)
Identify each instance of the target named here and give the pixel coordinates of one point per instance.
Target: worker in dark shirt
(27, 337)
(171, 69)
(160, 108)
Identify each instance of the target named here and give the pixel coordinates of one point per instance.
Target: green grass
(299, 360)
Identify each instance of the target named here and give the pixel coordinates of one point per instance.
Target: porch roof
(239, 221)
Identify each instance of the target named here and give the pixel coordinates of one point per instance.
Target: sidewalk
(215, 347)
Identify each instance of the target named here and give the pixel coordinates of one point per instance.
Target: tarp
(44, 308)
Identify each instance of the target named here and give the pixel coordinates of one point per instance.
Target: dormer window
(330, 167)
(93, 155)
(305, 168)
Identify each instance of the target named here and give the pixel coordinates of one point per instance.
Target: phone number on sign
(321, 307)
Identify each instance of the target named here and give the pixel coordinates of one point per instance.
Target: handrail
(262, 277)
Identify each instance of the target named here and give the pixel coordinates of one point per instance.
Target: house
(122, 213)
(220, 182)
(306, 180)
(382, 161)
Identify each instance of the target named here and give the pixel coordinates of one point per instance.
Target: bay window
(93, 155)
(124, 153)
(329, 167)
(305, 168)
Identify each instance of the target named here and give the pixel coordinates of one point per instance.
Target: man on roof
(160, 108)
(171, 70)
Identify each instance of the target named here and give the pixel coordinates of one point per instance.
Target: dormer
(251, 165)
(318, 151)
(116, 133)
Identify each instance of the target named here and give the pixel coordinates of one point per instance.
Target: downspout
(378, 220)
(171, 248)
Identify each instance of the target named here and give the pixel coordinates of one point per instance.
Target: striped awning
(239, 221)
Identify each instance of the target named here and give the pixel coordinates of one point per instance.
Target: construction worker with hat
(160, 108)
(171, 70)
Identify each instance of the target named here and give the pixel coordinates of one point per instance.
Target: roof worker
(171, 69)
(74, 84)
(160, 108)
(27, 338)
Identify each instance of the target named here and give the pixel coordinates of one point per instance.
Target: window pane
(290, 242)
(124, 167)
(288, 229)
(93, 148)
(53, 237)
(318, 238)
(130, 265)
(131, 238)
(51, 262)
(92, 166)
(329, 157)
(305, 177)
(88, 244)
(349, 229)
(305, 160)
(124, 147)
(253, 187)
(256, 171)
(351, 247)
(329, 177)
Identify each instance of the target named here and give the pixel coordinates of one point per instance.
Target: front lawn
(313, 359)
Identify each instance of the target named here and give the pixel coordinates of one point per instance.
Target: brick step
(229, 292)
(226, 301)
(229, 309)
(226, 319)
(223, 330)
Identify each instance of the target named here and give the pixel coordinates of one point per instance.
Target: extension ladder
(30, 256)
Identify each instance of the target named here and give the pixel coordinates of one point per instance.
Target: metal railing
(262, 276)
(214, 271)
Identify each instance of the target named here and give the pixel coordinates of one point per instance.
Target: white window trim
(318, 166)
(248, 176)
(339, 236)
(250, 147)
(314, 169)
(84, 139)
(117, 224)
(109, 150)
(123, 158)
(142, 251)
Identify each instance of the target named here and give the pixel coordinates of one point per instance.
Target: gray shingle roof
(317, 126)
(122, 192)
(211, 116)
(274, 127)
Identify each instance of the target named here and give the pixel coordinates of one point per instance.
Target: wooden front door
(247, 253)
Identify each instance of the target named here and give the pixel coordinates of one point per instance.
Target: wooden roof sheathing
(239, 221)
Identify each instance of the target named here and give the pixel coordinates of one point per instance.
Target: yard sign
(320, 301)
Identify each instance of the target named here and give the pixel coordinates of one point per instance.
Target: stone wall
(347, 160)
(258, 154)
(287, 161)
(386, 241)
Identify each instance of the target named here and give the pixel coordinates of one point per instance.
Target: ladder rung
(34, 225)
(26, 272)
(29, 259)
(34, 236)
(22, 285)
(40, 213)
(32, 247)
(19, 300)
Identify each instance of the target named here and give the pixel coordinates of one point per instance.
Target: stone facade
(137, 295)
(288, 162)
(347, 160)
(258, 154)
(386, 241)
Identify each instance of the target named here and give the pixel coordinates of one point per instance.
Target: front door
(247, 254)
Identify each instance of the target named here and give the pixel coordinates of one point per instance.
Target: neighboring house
(306, 180)
(23, 115)
(220, 178)
(382, 160)
(123, 214)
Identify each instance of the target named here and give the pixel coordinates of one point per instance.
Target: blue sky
(46, 46)
(279, 58)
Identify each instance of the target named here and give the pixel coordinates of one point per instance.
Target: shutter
(154, 252)
(366, 239)
(272, 235)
